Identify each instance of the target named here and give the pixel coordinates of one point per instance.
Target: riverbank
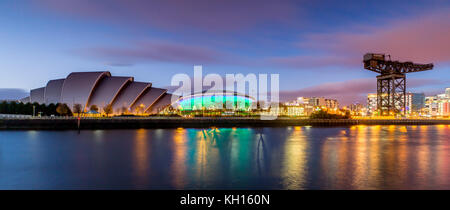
(202, 122)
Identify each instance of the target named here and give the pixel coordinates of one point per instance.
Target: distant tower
(391, 83)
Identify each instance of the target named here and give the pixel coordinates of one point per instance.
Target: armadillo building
(123, 94)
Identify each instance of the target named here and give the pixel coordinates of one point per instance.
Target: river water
(304, 157)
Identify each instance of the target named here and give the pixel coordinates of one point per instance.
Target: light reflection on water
(357, 157)
(294, 160)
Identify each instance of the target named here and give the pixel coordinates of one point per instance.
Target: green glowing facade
(215, 101)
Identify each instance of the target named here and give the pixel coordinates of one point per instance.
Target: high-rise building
(356, 107)
(438, 105)
(331, 103)
(306, 105)
(414, 102)
(371, 102)
(417, 101)
(302, 100)
(295, 111)
(317, 101)
(430, 106)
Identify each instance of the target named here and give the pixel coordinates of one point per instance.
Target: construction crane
(391, 83)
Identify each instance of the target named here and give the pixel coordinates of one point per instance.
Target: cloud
(154, 51)
(421, 39)
(12, 93)
(217, 15)
(348, 92)
(314, 61)
(118, 64)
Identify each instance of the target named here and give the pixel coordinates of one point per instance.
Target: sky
(316, 47)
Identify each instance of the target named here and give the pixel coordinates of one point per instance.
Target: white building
(438, 105)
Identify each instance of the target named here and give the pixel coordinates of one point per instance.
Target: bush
(27, 109)
(325, 115)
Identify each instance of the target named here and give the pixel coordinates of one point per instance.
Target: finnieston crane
(391, 83)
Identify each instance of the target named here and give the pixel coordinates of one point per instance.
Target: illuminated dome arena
(122, 94)
(218, 100)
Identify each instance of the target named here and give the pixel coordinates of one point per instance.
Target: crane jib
(391, 83)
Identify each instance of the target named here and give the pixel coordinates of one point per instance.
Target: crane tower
(391, 81)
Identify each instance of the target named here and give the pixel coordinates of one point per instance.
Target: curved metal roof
(129, 94)
(159, 105)
(148, 98)
(107, 90)
(52, 92)
(78, 87)
(37, 95)
(100, 88)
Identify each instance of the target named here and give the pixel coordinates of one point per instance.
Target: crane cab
(372, 59)
(374, 56)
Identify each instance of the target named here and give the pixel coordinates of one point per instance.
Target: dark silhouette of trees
(123, 110)
(16, 108)
(321, 114)
(93, 108)
(77, 108)
(62, 109)
(139, 109)
(108, 109)
(51, 109)
(13, 107)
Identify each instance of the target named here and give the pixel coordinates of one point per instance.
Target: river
(302, 157)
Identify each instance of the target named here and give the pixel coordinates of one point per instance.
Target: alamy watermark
(256, 87)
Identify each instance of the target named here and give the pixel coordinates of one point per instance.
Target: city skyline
(316, 48)
(225, 103)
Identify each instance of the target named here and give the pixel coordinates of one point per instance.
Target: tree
(4, 108)
(62, 109)
(13, 107)
(139, 109)
(51, 109)
(123, 110)
(27, 108)
(321, 114)
(108, 109)
(93, 108)
(77, 108)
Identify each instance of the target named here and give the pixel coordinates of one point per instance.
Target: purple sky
(315, 46)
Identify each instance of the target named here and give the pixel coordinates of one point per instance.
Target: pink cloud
(304, 61)
(159, 51)
(217, 15)
(423, 39)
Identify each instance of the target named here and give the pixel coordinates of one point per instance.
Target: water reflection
(141, 155)
(179, 158)
(262, 162)
(294, 160)
(298, 157)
